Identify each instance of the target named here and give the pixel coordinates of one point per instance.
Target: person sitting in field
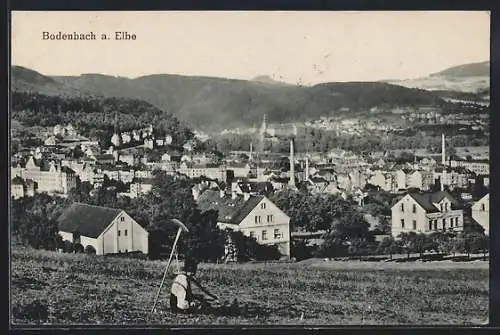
(181, 297)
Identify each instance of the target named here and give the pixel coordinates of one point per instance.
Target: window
(456, 222)
(446, 206)
(402, 223)
(277, 234)
(270, 218)
(119, 233)
(444, 224)
(125, 232)
(122, 218)
(126, 250)
(435, 224)
(441, 206)
(430, 224)
(402, 207)
(414, 224)
(483, 207)
(257, 219)
(264, 235)
(252, 234)
(263, 205)
(414, 208)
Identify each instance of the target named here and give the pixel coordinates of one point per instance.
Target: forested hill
(216, 103)
(26, 80)
(95, 116)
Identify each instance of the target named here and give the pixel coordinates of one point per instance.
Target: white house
(107, 230)
(254, 215)
(481, 213)
(426, 213)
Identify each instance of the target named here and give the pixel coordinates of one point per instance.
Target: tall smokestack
(443, 150)
(291, 183)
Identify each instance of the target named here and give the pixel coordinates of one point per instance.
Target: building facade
(481, 213)
(107, 230)
(426, 213)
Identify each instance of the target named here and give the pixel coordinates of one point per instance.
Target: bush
(67, 246)
(300, 250)
(90, 250)
(78, 248)
(31, 311)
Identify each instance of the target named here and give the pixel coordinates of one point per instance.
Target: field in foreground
(50, 288)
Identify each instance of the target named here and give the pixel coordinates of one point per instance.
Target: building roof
(17, 181)
(226, 206)
(427, 200)
(86, 219)
(257, 187)
(230, 210)
(247, 207)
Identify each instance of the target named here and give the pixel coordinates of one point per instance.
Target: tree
(406, 242)
(475, 242)
(458, 244)
(439, 242)
(388, 246)
(419, 243)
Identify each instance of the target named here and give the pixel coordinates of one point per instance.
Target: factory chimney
(291, 182)
(443, 150)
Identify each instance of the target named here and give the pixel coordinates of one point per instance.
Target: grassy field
(51, 288)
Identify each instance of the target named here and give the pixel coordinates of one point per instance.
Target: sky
(294, 47)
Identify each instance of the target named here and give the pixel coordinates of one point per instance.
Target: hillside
(95, 116)
(481, 69)
(216, 103)
(67, 289)
(468, 78)
(26, 80)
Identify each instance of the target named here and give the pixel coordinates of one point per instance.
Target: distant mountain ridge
(269, 80)
(481, 69)
(210, 103)
(469, 78)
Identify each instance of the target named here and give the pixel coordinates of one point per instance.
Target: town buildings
(50, 177)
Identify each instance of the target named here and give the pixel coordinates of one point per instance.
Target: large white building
(254, 215)
(51, 179)
(426, 213)
(107, 230)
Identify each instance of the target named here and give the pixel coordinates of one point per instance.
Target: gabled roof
(424, 201)
(247, 207)
(86, 219)
(226, 206)
(427, 200)
(230, 210)
(17, 181)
